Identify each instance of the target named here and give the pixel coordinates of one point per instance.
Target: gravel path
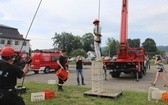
(126, 82)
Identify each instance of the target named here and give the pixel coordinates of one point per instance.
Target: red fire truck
(45, 61)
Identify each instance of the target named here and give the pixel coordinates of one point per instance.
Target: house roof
(10, 32)
(92, 52)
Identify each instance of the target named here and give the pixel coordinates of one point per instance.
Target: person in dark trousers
(8, 78)
(79, 67)
(147, 62)
(62, 63)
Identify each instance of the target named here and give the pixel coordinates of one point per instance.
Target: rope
(29, 31)
(31, 24)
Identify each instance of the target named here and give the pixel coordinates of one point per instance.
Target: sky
(146, 19)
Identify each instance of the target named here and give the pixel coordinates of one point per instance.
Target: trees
(112, 46)
(150, 46)
(78, 51)
(88, 41)
(66, 41)
(71, 42)
(135, 43)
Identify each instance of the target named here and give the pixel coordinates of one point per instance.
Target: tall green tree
(149, 45)
(66, 41)
(78, 51)
(88, 42)
(113, 46)
(135, 43)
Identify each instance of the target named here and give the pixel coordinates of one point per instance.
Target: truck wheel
(115, 74)
(46, 70)
(36, 72)
(140, 74)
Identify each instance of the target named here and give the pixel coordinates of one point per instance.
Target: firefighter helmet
(7, 51)
(96, 21)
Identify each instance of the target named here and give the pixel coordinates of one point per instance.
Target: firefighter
(97, 38)
(8, 78)
(62, 64)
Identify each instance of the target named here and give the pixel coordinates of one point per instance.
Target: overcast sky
(146, 19)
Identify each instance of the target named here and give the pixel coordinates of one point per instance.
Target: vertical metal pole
(99, 11)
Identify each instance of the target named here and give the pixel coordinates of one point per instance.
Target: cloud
(76, 16)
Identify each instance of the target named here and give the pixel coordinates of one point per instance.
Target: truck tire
(36, 72)
(140, 74)
(115, 74)
(46, 70)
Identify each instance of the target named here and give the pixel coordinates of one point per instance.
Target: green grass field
(73, 95)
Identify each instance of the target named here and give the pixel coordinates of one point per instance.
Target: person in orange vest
(97, 38)
(9, 73)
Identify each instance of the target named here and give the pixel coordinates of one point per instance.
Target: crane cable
(98, 10)
(28, 33)
(31, 24)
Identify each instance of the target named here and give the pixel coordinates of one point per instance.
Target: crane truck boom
(129, 60)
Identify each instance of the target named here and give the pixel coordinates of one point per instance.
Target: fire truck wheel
(115, 74)
(36, 72)
(140, 74)
(46, 70)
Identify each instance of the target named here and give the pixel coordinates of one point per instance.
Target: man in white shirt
(97, 38)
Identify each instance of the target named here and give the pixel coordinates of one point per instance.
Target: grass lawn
(73, 95)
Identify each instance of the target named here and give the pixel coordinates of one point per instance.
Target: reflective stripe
(59, 84)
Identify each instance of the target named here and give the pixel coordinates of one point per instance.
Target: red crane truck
(129, 60)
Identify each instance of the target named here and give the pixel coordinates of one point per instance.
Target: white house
(11, 36)
(91, 54)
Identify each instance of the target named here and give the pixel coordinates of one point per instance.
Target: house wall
(16, 44)
(90, 54)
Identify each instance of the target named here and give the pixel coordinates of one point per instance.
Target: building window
(24, 43)
(9, 42)
(2, 41)
(16, 42)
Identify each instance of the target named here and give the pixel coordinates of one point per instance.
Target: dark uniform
(62, 61)
(8, 80)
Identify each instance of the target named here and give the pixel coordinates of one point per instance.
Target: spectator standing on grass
(62, 64)
(159, 73)
(8, 78)
(79, 70)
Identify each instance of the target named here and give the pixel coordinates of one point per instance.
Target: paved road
(126, 82)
